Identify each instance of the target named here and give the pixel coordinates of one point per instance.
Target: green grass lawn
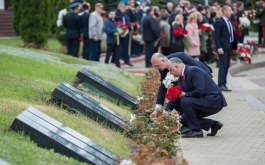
(27, 80)
(53, 44)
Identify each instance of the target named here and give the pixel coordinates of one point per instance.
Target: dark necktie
(182, 83)
(230, 31)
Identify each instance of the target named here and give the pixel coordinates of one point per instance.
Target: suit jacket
(121, 16)
(73, 25)
(110, 28)
(198, 84)
(84, 24)
(150, 29)
(186, 59)
(222, 36)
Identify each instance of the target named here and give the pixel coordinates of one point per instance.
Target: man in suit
(84, 24)
(225, 42)
(124, 40)
(72, 23)
(200, 98)
(151, 33)
(160, 61)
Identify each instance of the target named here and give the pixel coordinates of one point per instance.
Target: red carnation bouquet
(244, 53)
(179, 31)
(173, 93)
(123, 27)
(182, 32)
(207, 27)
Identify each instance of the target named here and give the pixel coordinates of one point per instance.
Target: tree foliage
(33, 21)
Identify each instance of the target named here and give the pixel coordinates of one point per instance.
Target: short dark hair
(148, 11)
(85, 6)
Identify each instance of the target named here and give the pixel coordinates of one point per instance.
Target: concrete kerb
(243, 67)
(254, 102)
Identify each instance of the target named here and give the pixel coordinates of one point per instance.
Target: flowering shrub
(154, 140)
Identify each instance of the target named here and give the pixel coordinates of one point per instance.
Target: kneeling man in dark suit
(200, 98)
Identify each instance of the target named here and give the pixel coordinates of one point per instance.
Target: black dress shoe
(130, 64)
(215, 128)
(225, 89)
(193, 134)
(183, 130)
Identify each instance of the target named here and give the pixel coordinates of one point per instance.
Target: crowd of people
(179, 39)
(137, 28)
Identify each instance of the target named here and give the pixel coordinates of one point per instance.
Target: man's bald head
(159, 61)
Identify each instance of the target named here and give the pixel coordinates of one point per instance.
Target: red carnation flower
(234, 22)
(237, 33)
(185, 32)
(173, 93)
(162, 35)
(119, 23)
(178, 31)
(81, 39)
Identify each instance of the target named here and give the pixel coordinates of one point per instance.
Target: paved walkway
(242, 139)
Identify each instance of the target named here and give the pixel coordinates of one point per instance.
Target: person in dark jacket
(121, 16)
(200, 98)
(112, 39)
(225, 41)
(160, 61)
(177, 43)
(151, 33)
(72, 22)
(84, 29)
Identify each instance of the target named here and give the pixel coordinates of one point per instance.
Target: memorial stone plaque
(51, 134)
(76, 99)
(107, 87)
(2, 162)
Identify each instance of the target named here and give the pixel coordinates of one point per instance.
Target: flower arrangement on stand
(253, 47)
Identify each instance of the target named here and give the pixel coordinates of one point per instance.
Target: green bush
(34, 22)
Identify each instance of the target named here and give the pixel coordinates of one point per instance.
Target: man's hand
(120, 31)
(154, 114)
(183, 94)
(220, 51)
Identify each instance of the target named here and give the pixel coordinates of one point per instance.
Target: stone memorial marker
(51, 134)
(107, 87)
(2, 162)
(76, 99)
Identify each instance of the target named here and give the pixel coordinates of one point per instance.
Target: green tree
(34, 22)
(16, 15)
(60, 31)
